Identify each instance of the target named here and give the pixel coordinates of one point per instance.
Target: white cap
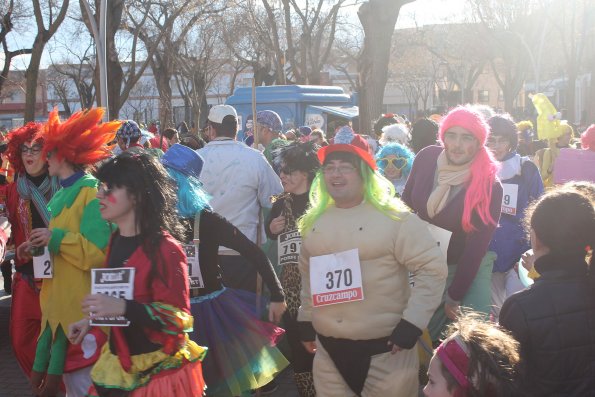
(218, 112)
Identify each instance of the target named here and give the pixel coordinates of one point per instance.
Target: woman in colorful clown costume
(394, 162)
(26, 203)
(242, 353)
(76, 239)
(153, 355)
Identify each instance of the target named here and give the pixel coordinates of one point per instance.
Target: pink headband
(455, 359)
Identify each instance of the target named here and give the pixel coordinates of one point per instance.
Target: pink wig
(588, 138)
(483, 167)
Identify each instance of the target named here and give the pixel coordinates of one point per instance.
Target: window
(483, 96)
(500, 96)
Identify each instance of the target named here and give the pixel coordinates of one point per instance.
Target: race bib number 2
(42, 265)
(336, 278)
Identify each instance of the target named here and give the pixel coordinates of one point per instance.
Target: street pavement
(13, 382)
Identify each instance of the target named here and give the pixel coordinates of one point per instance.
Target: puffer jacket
(554, 321)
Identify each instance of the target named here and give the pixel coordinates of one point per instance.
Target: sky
(419, 12)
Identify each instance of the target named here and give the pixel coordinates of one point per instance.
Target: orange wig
(80, 140)
(27, 133)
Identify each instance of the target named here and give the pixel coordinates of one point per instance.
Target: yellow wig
(80, 140)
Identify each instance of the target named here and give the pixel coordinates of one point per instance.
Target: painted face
(344, 183)
(115, 204)
(393, 166)
(460, 145)
(32, 159)
(499, 145)
(293, 181)
(437, 386)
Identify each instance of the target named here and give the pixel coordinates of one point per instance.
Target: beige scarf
(448, 176)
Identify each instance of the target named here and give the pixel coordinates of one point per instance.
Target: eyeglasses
(105, 189)
(397, 162)
(32, 150)
(342, 169)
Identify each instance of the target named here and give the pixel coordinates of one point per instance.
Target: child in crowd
(477, 359)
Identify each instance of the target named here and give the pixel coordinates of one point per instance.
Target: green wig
(378, 191)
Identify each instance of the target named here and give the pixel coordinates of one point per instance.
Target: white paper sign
(194, 274)
(510, 194)
(116, 282)
(442, 237)
(288, 247)
(336, 278)
(42, 265)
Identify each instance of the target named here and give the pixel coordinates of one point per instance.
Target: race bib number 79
(336, 278)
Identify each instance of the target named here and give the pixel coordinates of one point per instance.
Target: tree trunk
(32, 75)
(378, 18)
(162, 79)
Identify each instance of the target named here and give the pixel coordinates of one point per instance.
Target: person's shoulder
(428, 153)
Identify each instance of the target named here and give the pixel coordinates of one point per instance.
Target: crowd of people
(173, 264)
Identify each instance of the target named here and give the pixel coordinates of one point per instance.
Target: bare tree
(53, 15)
(378, 18)
(10, 13)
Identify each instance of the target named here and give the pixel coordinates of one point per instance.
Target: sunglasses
(32, 150)
(105, 189)
(397, 162)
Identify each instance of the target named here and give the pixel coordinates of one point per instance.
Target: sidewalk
(14, 384)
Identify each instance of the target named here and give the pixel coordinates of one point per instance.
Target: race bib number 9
(336, 278)
(289, 245)
(510, 193)
(42, 265)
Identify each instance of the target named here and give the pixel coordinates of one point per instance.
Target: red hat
(347, 141)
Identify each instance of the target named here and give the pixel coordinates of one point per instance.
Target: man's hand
(310, 346)
(101, 305)
(277, 224)
(276, 310)
(40, 237)
(451, 311)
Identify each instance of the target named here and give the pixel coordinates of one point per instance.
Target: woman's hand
(24, 252)
(528, 260)
(277, 224)
(102, 305)
(78, 330)
(276, 310)
(40, 237)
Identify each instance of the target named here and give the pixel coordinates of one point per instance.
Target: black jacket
(554, 321)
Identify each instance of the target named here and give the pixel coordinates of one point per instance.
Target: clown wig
(378, 191)
(403, 154)
(191, 197)
(484, 167)
(82, 139)
(30, 132)
(588, 138)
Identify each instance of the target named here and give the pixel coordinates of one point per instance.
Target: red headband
(455, 359)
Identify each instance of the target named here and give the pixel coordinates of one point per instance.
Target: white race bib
(510, 194)
(42, 265)
(116, 282)
(441, 236)
(194, 273)
(336, 278)
(288, 247)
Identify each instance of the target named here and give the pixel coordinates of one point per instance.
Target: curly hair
(493, 354)
(30, 132)
(154, 193)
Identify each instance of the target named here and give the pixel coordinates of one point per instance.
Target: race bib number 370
(336, 278)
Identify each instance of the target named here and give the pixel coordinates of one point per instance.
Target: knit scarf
(39, 196)
(448, 176)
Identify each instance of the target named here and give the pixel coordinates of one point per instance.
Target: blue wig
(191, 196)
(404, 159)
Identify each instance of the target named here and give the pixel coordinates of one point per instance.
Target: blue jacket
(510, 241)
